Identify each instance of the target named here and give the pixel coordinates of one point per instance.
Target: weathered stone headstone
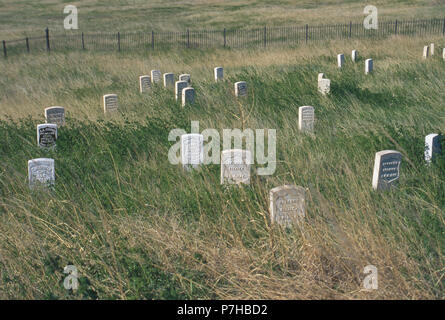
(354, 55)
(192, 150)
(432, 146)
(235, 166)
(55, 115)
(369, 66)
(219, 73)
(156, 76)
(188, 96)
(169, 80)
(324, 86)
(432, 49)
(320, 76)
(47, 135)
(144, 83)
(426, 51)
(179, 85)
(443, 54)
(386, 169)
(287, 205)
(110, 102)
(240, 89)
(306, 118)
(184, 77)
(340, 60)
(41, 172)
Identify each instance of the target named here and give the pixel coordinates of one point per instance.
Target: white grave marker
(369, 66)
(240, 89)
(55, 115)
(41, 172)
(46, 135)
(324, 86)
(287, 205)
(354, 55)
(144, 83)
(235, 166)
(179, 85)
(320, 76)
(184, 77)
(306, 118)
(386, 169)
(340, 60)
(219, 73)
(169, 80)
(156, 76)
(192, 150)
(432, 49)
(188, 96)
(426, 51)
(110, 102)
(432, 146)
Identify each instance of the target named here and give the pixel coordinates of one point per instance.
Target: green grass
(138, 227)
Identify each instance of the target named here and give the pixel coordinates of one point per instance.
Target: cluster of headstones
(429, 51)
(182, 87)
(354, 55)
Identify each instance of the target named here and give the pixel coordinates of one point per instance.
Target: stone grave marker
(188, 96)
(144, 83)
(110, 102)
(432, 146)
(320, 76)
(235, 166)
(354, 55)
(369, 66)
(340, 60)
(432, 49)
(179, 85)
(41, 172)
(306, 118)
(55, 115)
(192, 150)
(443, 54)
(219, 73)
(240, 89)
(287, 205)
(386, 169)
(185, 77)
(169, 80)
(324, 86)
(47, 135)
(426, 51)
(156, 76)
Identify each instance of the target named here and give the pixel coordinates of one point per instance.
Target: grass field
(32, 17)
(138, 227)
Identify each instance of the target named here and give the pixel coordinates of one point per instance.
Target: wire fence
(227, 38)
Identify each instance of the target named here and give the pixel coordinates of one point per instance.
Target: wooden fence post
(225, 37)
(443, 31)
(27, 44)
(119, 41)
(265, 37)
(396, 27)
(350, 29)
(307, 32)
(188, 38)
(152, 40)
(48, 48)
(83, 42)
(4, 49)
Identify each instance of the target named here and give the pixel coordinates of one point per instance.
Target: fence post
(443, 31)
(307, 32)
(4, 48)
(48, 48)
(265, 37)
(188, 38)
(225, 37)
(152, 40)
(119, 41)
(350, 29)
(83, 42)
(396, 27)
(27, 44)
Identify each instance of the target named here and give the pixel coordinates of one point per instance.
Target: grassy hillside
(138, 227)
(32, 17)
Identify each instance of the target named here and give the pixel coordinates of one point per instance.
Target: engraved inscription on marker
(46, 135)
(386, 169)
(235, 166)
(110, 102)
(188, 96)
(184, 77)
(192, 150)
(144, 83)
(240, 88)
(287, 205)
(55, 115)
(219, 73)
(306, 118)
(179, 85)
(169, 80)
(41, 172)
(156, 76)
(324, 86)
